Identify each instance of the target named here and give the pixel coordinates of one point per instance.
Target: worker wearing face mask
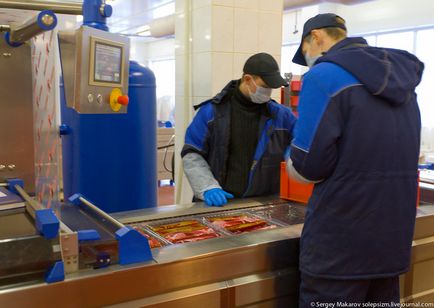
(357, 138)
(236, 141)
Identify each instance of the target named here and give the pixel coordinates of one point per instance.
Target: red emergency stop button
(123, 100)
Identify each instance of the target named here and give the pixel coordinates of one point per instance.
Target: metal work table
(254, 269)
(258, 267)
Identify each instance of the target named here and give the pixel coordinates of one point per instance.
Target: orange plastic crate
(294, 100)
(295, 85)
(291, 189)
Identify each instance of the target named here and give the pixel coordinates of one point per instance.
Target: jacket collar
(227, 91)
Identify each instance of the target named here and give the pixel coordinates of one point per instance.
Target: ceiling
(129, 16)
(292, 4)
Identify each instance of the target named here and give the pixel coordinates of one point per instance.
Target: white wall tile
(222, 29)
(271, 5)
(222, 70)
(201, 29)
(229, 3)
(245, 30)
(246, 4)
(202, 74)
(180, 33)
(270, 33)
(179, 6)
(199, 3)
(239, 60)
(180, 74)
(179, 47)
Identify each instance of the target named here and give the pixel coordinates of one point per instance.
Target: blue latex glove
(217, 197)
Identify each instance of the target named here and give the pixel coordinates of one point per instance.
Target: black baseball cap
(319, 21)
(263, 65)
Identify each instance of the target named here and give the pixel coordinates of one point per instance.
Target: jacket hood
(389, 73)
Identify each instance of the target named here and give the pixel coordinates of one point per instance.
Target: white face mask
(261, 95)
(310, 61)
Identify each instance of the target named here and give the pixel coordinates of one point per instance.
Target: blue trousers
(317, 292)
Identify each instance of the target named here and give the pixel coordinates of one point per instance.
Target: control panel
(95, 67)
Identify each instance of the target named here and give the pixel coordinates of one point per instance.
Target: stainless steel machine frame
(222, 272)
(258, 269)
(61, 7)
(78, 58)
(17, 158)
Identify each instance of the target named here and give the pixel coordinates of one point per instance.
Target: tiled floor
(166, 195)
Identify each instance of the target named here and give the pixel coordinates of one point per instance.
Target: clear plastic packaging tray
(284, 213)
(239, 222)
(155, 241)
(183, 230)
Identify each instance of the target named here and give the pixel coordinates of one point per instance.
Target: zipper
(270, 130)
(255, 162)
(252, 171)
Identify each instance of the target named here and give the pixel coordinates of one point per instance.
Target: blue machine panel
(111, 158)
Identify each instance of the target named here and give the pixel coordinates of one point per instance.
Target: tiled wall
(213, 39)
(225, 33)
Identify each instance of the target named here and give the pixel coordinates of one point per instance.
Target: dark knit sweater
(245, 116)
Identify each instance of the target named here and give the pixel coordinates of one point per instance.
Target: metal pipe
(32, 205)
(37, 5)
(101, 212)
(44, 21)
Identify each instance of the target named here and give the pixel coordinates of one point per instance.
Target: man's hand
(217, 197)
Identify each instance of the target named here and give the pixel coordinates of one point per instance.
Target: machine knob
(64, 130)
(106, 10)
(123, 100)
(118, 99)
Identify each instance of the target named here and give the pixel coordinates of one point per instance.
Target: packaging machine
(231, 269)
(234, 268)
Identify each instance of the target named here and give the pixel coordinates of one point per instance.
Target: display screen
(108, 63)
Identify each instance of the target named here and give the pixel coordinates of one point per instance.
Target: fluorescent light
(144, 33)
(144, 30)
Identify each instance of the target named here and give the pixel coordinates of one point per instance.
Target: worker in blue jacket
(357, 138)
(236, 141)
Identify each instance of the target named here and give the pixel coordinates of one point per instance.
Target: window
(164, 71)
(424, 47)
(424, 51)
(415, 41)
(287, 66)
(398, 40)
(420, 43)
(371, 39)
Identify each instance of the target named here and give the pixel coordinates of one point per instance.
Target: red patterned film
(47, 141)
